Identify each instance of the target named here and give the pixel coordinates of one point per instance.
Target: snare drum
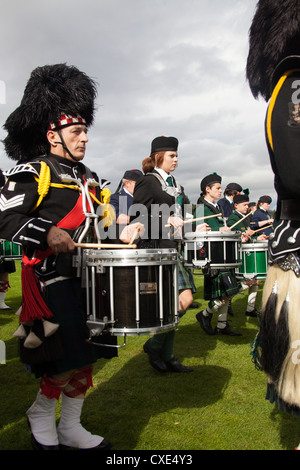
(254, 257)
(9, 250)
(131, 292)
(217, 249)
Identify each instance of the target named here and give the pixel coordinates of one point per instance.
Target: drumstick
(102, 245)
(262, 228)
(239, 221)
(134, 235)
(199, 218)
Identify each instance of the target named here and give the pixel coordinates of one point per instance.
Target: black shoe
(205, 322)
(154, 358)
(254, 313)
(227, 331)
(175, 366)
(37, 446)
(104, 445)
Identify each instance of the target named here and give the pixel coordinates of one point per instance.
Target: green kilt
(185, 277)
(224, 284)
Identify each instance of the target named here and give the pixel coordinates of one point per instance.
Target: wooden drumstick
(102, 245)
(239, 221)
(262, 228)
(198, 218)
(134, 235)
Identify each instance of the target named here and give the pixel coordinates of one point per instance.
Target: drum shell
(132, 291)
(10, 250)
(254, 259)
(217, 249)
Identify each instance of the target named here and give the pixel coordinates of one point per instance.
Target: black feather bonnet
(51, 90)
(274, 35)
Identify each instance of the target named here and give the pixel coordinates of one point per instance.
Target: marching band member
(261, 217)
(273, 72)
(219, 285)
(241, 202)
(226, 202)
(158, 188)
(7, 267)
(42, 210)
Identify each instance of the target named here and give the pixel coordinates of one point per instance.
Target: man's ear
(53, 138)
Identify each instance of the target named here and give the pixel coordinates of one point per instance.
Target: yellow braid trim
(108, 211)
(43, 183)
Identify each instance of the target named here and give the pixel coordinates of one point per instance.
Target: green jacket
(204, 209)
(235, 217)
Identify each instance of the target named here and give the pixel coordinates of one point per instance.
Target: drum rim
(260, 244)
(133, 255)
(195, 236)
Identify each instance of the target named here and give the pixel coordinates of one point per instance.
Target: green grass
(219, 406)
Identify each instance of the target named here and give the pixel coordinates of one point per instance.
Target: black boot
(154, 357)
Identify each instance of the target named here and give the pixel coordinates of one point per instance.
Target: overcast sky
(163, 67)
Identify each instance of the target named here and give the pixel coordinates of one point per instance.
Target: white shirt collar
(213, 203)
(162, 173)
(126, 191)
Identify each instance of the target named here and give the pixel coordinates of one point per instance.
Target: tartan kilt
(224, 284)
(185, 277)
(66, 300)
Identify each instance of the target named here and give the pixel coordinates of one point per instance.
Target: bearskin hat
(50, 91)
(274, 34)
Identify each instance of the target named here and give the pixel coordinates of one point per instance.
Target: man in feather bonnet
(41, 208)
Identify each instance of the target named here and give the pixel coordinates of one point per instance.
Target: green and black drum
(254, 258)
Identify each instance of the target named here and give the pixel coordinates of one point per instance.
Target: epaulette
(21, 168)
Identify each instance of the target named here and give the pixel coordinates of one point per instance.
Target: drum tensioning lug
(76, 261)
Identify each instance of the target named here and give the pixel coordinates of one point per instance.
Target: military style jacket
(38, 195)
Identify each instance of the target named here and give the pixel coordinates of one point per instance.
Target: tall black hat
(274, 35)
(51, 91)
(164, 144)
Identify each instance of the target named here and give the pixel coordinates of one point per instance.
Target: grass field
(219, 406)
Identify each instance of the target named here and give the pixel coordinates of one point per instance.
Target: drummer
(219, 285)
(261, 216)
(159, 188)
(6, 267)
(241, 209)
(226, 203)
(121, 200)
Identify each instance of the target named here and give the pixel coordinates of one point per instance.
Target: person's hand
(59, 240)
(225, 229)
(132, 232)
(262, 237)
(203, 228)
(175, 221)
(249, 232)
(244, 238)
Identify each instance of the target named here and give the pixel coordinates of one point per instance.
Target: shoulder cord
(44, 183)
